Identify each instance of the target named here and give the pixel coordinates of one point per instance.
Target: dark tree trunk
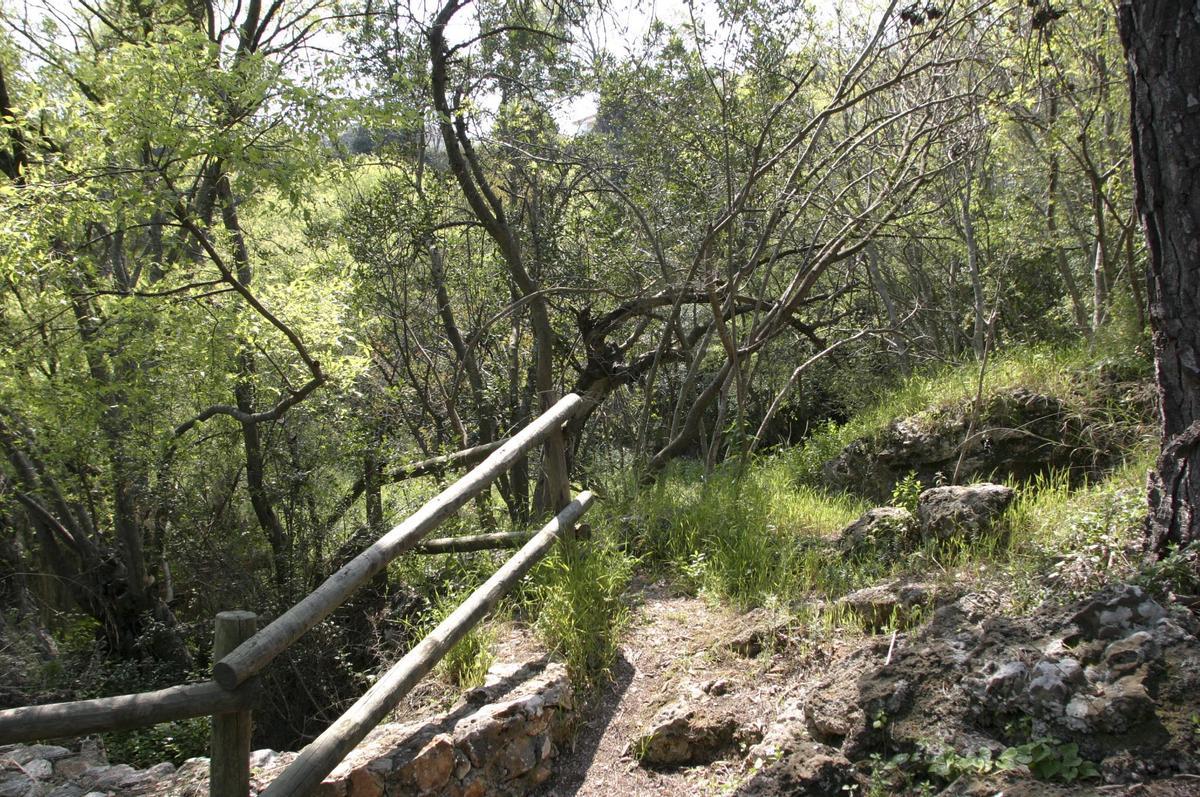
(1162, 46)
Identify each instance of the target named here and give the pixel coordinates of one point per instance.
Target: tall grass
(575, 599)
(742, 536)
(1062, 542)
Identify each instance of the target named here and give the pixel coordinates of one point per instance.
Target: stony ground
(716, 703)
(707, 701)
(679, 647)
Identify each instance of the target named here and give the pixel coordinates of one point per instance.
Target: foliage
(907, 492)
(1048, 759)
(221, 332)
(175, 742)
(1177, 573)
(575, 600)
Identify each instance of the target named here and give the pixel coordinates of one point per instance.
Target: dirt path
(675, 644)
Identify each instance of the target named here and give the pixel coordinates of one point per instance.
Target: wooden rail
(240, 653)
(103, 714)
(254, 654)
(325, 752)
(475, 542)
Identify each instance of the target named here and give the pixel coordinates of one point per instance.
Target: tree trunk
(1162, 46)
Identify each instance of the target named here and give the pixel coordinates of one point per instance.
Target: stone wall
(501, 740)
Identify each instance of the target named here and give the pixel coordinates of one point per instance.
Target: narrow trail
(675, 644)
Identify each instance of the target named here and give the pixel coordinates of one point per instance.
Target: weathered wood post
(229, 766)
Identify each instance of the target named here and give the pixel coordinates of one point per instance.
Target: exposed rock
(1052, 681)
(39, 769)
(1113, 612)
(67, 790)
(505, 747)
(811, 769)
(687, 732)
(15, 784)
(788, 730)
(883, 528)
(968, 510)
(22, 754)
(896, 603)
(1008, 680)
(760, 631)
(73, 767)
(1019, 434)
(716, 688)
(430, 768)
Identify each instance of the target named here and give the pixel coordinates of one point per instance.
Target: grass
(1062, 542)
(761, 534)
(576, 601)
(1070, 372)
(742, 537)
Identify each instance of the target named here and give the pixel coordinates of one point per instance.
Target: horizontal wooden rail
(475, 542)
(256, 652)
(105, 714)
(436, 466)
(325, 752)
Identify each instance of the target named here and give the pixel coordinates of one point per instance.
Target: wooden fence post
(229, 766)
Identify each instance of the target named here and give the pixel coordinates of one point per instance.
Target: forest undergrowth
(761, 533)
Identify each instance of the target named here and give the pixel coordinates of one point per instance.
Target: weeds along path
(675, 644)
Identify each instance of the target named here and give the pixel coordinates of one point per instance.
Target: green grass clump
(1058, 543)
(576, 599)
(467, 663)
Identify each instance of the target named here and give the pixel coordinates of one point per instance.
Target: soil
(679, 646)
(675, 645)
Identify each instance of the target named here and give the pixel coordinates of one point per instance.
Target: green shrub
(170, 741)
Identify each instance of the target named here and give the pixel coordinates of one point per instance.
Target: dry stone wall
(501, 740)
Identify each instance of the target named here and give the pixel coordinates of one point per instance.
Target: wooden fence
(240, 652)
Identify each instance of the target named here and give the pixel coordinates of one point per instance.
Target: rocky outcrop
(895, 604)
(699, 727)
(1117, 676)
(882, 528)
(685, 733)
(1019, 434)
(969, 511)
(759, 630)
(501, 741)
(813, 770)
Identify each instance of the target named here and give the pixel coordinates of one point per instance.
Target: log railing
(240, 653)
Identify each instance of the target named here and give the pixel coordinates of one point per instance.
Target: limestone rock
(431, 767)
(1112, 613)
(971, 510)
(812, 769)
(894, 603)
(22, 754)
(884, 527)
(15, 784)
(788, 730)
(684, 733)
(760, 630)
(1019, 434)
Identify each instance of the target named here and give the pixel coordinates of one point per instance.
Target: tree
(162, 118)
(1162, 46)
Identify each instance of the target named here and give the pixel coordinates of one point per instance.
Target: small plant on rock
(907, 492)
